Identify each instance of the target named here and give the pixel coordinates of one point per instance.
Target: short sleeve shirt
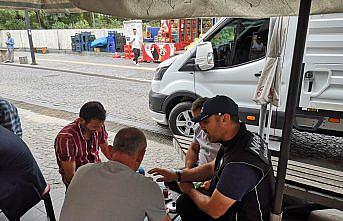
(137, 43)
(208, 151)
(116, 192)
(70, 145)
(9, 118)
(238, 179)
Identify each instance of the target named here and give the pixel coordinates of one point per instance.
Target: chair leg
(176, 217)
(49, 208)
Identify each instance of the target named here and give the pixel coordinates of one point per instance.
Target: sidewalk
(97, 65)
(39, 134)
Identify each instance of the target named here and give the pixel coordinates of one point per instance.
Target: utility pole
(29, 35)
(38, 18)
(93, 19)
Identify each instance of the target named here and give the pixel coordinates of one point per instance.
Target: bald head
(129, 140)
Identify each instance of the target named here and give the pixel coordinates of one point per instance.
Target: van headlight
(158, 75)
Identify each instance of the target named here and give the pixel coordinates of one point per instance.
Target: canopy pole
(262, 120)
(293, 87)
(29, 35)
(269, 122)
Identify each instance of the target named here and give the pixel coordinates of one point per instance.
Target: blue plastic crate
(88, 47)
(111, 33)
(153, 31)
(111, 48)
(78, 48)
(84, 46)
(110, 40)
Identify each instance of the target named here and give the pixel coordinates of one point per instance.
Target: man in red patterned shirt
(78, 143)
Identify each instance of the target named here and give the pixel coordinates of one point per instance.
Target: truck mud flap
(308, 123)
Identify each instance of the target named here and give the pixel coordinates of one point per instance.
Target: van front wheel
(180, 120)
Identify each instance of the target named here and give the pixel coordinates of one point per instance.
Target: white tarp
(268, 87)
(155, 9)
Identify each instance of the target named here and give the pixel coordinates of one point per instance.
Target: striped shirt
(9, 118)
(71, 146)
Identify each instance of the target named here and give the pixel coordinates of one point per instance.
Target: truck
(239, 47)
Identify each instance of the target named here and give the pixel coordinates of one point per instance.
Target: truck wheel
(180, 120)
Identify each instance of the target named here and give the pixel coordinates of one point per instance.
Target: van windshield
(240, 41)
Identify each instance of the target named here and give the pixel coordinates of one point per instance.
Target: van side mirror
(204, 56)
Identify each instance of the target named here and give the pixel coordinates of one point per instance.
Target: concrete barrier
(52, 39)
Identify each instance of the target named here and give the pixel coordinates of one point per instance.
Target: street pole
(29, 35)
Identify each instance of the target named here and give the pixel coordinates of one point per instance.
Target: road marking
(100, 64)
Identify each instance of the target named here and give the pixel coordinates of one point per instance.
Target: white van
(238, 46)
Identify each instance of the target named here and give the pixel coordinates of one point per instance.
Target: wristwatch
(178, 173)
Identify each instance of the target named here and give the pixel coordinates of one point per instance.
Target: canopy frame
(293, 91)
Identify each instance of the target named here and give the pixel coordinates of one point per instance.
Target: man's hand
(192, 155)
(186, 187)
(105, 149)
(167, 175)
(206, 185)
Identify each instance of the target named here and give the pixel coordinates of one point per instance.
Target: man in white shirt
(201, 150)
(136, 43)
(113, 190)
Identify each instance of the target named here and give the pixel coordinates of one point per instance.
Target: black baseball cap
(219, 104)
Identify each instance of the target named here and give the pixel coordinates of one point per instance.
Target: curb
(79, 72)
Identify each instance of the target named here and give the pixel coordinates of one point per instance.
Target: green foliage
(80, 25)
(59, 25)
(15, 19)
(106, 21)
(11, 19)
(153, 23)
(227, 34)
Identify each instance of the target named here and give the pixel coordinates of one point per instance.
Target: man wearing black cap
(242, 179)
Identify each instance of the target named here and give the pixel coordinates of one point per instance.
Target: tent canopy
(156, 9)
(49, 5)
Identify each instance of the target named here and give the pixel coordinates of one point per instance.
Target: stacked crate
(89, 41)
(120, 42)
(82, 42)
(73, 44)
(111, 41)
(77, 42)
(128, 54)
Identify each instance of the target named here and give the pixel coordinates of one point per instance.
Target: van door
(239, 49)
(323, 72)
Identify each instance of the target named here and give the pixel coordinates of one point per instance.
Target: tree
(15, 19)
